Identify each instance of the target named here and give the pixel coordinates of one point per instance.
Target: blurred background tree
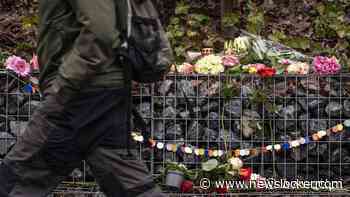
(310, 26)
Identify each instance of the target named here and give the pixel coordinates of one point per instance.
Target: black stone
(165, 87)
(233, 109)
(169, 112)
(174, 132)
(185, 88)
(334, 109)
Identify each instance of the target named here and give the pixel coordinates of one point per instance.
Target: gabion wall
(248, 111)
(205, 111)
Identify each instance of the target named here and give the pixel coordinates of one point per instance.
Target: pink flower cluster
(18, 65)
(186, 68)
(324, 65)
(230, 60)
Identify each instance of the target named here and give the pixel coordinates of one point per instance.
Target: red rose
(267, 72)
(186, 186)
(221, 190)
(245, 173)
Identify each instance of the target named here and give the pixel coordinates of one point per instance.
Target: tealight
(160, 145)
(220, 153)
(269, 147)
(152, 143)
(315, 137)
(139, 138)
(169, 147)
(210, 153)
(334, 129)
(215, 153)
(302, 140)
(201, 151)
(277, 147)
(285, 146)
(196, 151)
(321, 134)
(188, 150)
(347, 123)
(174, 148)
(340, 127)
(294, 143)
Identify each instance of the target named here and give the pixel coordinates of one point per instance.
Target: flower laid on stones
(285, 61)
(324, 65)
(185, 68)
(267, 72)
(241, 44)
(298, 68)
(18, 65)
(236, 163)
(34, 62)
(186, 186)
(253, 68)
(210, 64)
(230, 61)
(245, 173)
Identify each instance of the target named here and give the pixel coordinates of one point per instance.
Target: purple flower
(18, 65)
(324, 65)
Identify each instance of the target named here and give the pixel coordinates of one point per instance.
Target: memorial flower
(230, 61)
(325, 65)
(210, 64)
(267, 72)
(298, 68)
(186, 68)
(18, 65)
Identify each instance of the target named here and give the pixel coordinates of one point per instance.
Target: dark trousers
(90, 127)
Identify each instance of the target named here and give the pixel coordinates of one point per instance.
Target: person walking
(84, 112)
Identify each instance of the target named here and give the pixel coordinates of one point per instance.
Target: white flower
(210, 64)
(298, 68)
(236, 163)
(241, 44)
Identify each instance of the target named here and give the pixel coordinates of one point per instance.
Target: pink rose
(186, 68)
(18, 65)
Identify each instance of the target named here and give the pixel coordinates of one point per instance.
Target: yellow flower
(340, 127)
(252, 70)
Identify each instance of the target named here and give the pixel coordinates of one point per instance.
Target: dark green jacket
(76, 43)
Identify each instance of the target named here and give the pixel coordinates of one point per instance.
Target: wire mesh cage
(242, 112)
(222, 112)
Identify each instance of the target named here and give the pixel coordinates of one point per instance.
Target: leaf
(230, 19)
(210, 165)
(298, 43)
(182, 8)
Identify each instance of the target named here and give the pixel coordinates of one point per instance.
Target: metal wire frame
(312, 166)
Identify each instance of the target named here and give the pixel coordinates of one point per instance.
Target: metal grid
(221, 111)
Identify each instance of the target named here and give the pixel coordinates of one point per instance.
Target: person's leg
(25, 171)
(121, 174)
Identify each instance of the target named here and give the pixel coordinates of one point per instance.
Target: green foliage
(3, 57)
(230, 19)
(22, 46)
(189, 30)
(30, 21)
(323, 28)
